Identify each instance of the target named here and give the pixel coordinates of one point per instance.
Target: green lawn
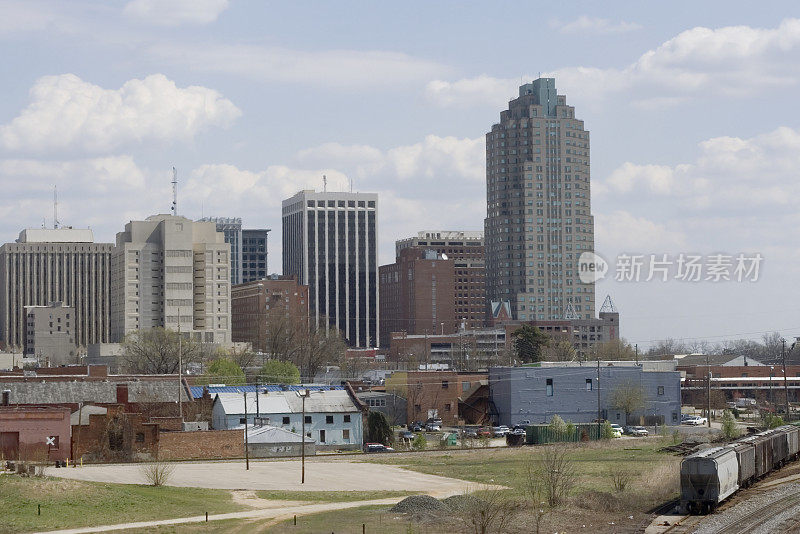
(330, 496)
(71, 503)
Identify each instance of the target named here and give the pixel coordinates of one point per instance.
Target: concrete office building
(257, 305)
(330, 244)
(62, 264)
(231, 228)
(571, 391)
(466, 249)
(417, 294)
(538, 219)
(50, 334)
(254, 255)
(167, 269)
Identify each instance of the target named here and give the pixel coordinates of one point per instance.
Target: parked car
(406, 434)
(694, 420)
(377, 447)
(616, 430)
(519, 431)
(415, 427)
(500, 431)
(433, 427)
(471, 433)
(484, 432)
(637, 431)
(434, 421)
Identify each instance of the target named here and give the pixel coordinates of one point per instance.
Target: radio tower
(55, 207)
(174, 191)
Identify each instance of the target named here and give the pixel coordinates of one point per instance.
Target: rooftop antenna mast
(174, 191)
(55, 207)
(324, 183)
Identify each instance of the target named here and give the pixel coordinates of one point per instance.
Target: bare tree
(617, 349)
(491, 512)
(559, 351)
(628, 396)
(551, 476)
(155, 351)
(157, 473)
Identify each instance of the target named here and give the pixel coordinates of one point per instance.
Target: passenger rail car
(710, 476)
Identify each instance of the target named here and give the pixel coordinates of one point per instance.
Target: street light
(303, 395)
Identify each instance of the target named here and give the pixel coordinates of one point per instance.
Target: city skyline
(682, 162)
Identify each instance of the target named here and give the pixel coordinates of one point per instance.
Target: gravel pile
(746, 510)
(461, 502)
(418, 504)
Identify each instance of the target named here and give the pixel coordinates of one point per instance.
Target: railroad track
(760, 516)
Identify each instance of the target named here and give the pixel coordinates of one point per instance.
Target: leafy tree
(278, 372)
(528, 342)
(155, 351)
(628, 396)
(606, 432)
(378, 429)
(770, 420)
(557, 425)
(729, 428)
(223, 371)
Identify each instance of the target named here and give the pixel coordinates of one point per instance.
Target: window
(346, 418)
(660, 390)
(549, 387)
(328, 419)
(417, 408)
(285, 420)
(308, 419)
(242, 421)
(447, 407)
(444, 384)
(588, 384)
(139, 437)
(674, 417)
(346, 434)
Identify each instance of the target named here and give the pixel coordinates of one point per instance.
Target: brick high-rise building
(61, 264)
(538, 220)
(258, 304)
(467, 252)
(330, 244)
(417, 294)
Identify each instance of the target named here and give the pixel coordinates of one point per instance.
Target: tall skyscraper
(254, 255)
(61, 264)
(538, 219)
(231, 228)
(330, 244)
(167, 269)
(467, 252)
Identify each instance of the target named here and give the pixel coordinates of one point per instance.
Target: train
(710, 476)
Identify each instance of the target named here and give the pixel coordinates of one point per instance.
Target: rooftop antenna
(351, 184)
(324, 183)
(608, 306)
(55, 207)
(174, 191)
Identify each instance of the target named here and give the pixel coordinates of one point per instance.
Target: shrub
(729, 428)
(606, 432)
(157, 473)
(620, 477)
(770, 420)
(420, 442)
(552, 476)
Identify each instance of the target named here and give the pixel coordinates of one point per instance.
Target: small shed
(272, 442)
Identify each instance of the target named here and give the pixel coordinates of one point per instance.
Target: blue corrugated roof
(197, 391)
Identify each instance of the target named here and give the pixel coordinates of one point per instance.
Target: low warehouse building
(34, 433)
(271, 442)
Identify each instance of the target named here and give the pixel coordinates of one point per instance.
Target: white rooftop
(277, 402)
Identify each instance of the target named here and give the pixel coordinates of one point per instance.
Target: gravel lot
(758, 508)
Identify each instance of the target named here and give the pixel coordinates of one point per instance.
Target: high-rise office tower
(254, 255)
(330, 244)
(231, 228)
(538, 220)
(168, 271)
(55, 264)
(467, 252)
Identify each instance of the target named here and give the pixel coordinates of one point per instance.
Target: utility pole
(785, 380)
(303, 395)
(180, 371)
(636, 349)
(598, 392)
(708, 391)
(246, 442)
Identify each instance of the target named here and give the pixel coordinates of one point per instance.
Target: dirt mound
(418, 504)
(462, 502)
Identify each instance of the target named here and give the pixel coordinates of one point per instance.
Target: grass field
(70, 503)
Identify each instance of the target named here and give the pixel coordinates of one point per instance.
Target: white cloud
(68, 113)
(732, 61)
(621, 231)
(328, 68)
(175, 12)
(596, 25)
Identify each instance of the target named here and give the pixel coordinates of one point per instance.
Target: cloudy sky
(692, 108)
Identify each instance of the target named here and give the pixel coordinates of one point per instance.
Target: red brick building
(255, 304)
(417, 294)
(441, 394)
(35, 433)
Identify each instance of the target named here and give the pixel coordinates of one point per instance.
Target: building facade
(466, 249)
(47, 265)
(538, 220)
(50, 336)
(231, 228)
(330, 244)
(465, 350)
(254, 255)
(417, 294)
(574, 393)
(171, 272)
(257, 305)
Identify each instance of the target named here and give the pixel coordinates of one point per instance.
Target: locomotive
(710, 476)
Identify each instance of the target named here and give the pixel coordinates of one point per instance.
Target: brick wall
(201, 445)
